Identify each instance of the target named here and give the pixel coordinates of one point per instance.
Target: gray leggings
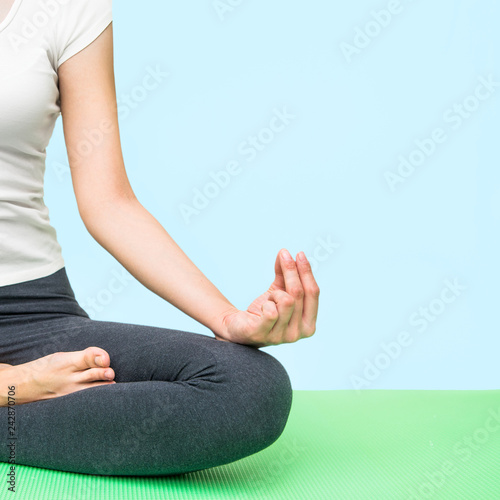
(182, 401)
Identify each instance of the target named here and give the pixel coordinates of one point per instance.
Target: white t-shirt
(36, 37)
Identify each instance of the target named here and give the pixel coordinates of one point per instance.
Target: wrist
(221, 331)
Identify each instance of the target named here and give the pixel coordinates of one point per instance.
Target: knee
(274, 384)
(261, 393)
(275, 390)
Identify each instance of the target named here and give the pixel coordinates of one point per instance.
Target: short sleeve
(81, 22)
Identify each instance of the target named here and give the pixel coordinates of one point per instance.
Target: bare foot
(55, 375)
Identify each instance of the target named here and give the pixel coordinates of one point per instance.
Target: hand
(285, 313)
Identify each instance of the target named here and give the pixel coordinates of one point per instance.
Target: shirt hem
(32, 274)
(91, 35)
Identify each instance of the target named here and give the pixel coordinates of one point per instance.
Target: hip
(49, 297)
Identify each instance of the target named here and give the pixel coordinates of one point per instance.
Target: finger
(269, 316)
(270, 313)
(311, 295)
(294, 287)
(279, 280)
(285, 307)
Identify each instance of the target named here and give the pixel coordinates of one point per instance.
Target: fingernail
(98, 360)
(108, 374)
(286, 255)
(302, 257)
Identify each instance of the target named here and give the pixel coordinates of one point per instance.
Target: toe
(92, 357)
(97, 374)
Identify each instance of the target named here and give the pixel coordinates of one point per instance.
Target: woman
(103, 397)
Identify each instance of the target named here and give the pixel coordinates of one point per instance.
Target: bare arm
(106, 202)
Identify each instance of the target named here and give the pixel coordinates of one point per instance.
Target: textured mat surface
(337, 445)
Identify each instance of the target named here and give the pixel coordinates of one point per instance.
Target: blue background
(322, 179)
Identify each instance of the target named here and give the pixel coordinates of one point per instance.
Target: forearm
(140, 243)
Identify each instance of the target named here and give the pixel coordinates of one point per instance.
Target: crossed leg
(182, 401)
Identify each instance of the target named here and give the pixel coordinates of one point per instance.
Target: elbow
(96, 211)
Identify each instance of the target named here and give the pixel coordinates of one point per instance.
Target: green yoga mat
(337, 445)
